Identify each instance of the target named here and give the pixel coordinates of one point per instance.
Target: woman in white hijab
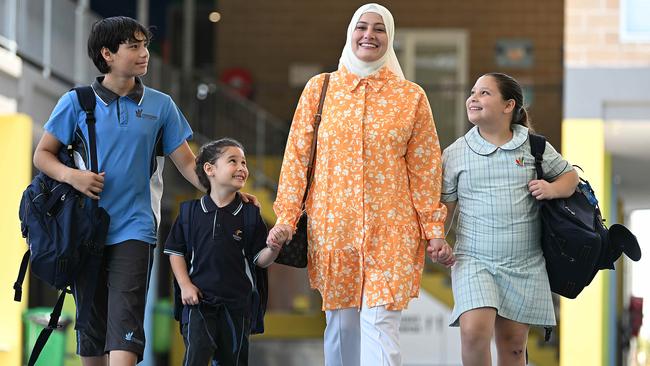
(374, 202)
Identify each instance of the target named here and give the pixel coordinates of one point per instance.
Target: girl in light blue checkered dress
(498, 275)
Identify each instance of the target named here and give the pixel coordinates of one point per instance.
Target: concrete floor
(293, 352)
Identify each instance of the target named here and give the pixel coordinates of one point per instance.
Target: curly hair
(209, 153)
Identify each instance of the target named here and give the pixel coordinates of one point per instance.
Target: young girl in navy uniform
(211, 260)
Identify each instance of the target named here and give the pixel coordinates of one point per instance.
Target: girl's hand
(541, 189)
(278, 235)
(440, 251)
(190, 294)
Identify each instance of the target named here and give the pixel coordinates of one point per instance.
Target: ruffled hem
(389, 270)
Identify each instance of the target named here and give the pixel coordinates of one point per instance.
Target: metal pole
(189, 9)
(260, 147)
(142, 12)
(11, 25)
(81, 68)
(47, 38)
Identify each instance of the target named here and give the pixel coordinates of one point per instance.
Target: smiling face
(369, 38)
(485, 104)
(229, 171)
(131, 58)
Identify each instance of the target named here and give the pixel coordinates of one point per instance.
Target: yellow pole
(16, 168)
(583, 321)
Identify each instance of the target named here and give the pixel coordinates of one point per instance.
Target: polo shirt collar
(234, 207)
(108, 96)
(376, 81)
(482, 147)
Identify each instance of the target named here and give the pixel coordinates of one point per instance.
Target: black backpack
(260, 275)
(575, 241)
(66, 232)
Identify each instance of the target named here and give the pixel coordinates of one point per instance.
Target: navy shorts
(117, 315)
(215, 332)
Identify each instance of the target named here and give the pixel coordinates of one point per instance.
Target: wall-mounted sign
(512, 52)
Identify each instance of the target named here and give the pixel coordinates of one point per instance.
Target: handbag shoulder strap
(314, 141)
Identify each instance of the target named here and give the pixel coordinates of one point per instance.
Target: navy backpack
(65, 231)
(575, 241)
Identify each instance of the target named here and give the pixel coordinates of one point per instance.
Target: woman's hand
(278, 235)
(440, 252)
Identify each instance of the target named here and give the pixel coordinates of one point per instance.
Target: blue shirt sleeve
(64, 119)
(176, 129)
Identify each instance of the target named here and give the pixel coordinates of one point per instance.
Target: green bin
(35, 321)
(163, 318)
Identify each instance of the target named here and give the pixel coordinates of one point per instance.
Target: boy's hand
(440, 251)
(86, 182)
(190, 294)
(247, 197)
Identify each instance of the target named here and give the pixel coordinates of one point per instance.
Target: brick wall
(592, 36)
(267, 36)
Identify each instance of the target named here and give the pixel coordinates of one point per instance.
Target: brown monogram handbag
(294, 253)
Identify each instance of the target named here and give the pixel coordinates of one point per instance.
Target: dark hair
(511, 89)
(111, 33)
(209, 153)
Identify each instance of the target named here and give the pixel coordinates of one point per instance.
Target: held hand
(278, 235)
(247, 197)
(190, 294)
(87, 182)
(541, 189)
(439, 251)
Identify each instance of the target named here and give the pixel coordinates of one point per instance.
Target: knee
(475, 336)
(512, 345)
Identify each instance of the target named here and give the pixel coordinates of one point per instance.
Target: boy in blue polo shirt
(213, 253)
(132, 121)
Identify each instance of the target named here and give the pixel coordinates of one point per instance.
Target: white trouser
(369, 337)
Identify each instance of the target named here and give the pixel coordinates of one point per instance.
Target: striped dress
(499, 258)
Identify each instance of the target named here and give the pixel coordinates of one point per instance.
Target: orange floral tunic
(375, 196)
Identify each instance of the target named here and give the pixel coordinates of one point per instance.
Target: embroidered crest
(139, 114)
(520, 161)
(237, 235)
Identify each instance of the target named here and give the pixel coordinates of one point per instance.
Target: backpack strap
(18, 285)
(537, 147)
(86, 97)
(52, 325)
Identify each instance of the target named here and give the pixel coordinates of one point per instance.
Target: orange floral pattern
(375, 197)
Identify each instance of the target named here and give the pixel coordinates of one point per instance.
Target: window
(635, 21)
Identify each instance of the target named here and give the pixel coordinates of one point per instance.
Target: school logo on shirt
(140, 114)
(520, 161)
(237, 235)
